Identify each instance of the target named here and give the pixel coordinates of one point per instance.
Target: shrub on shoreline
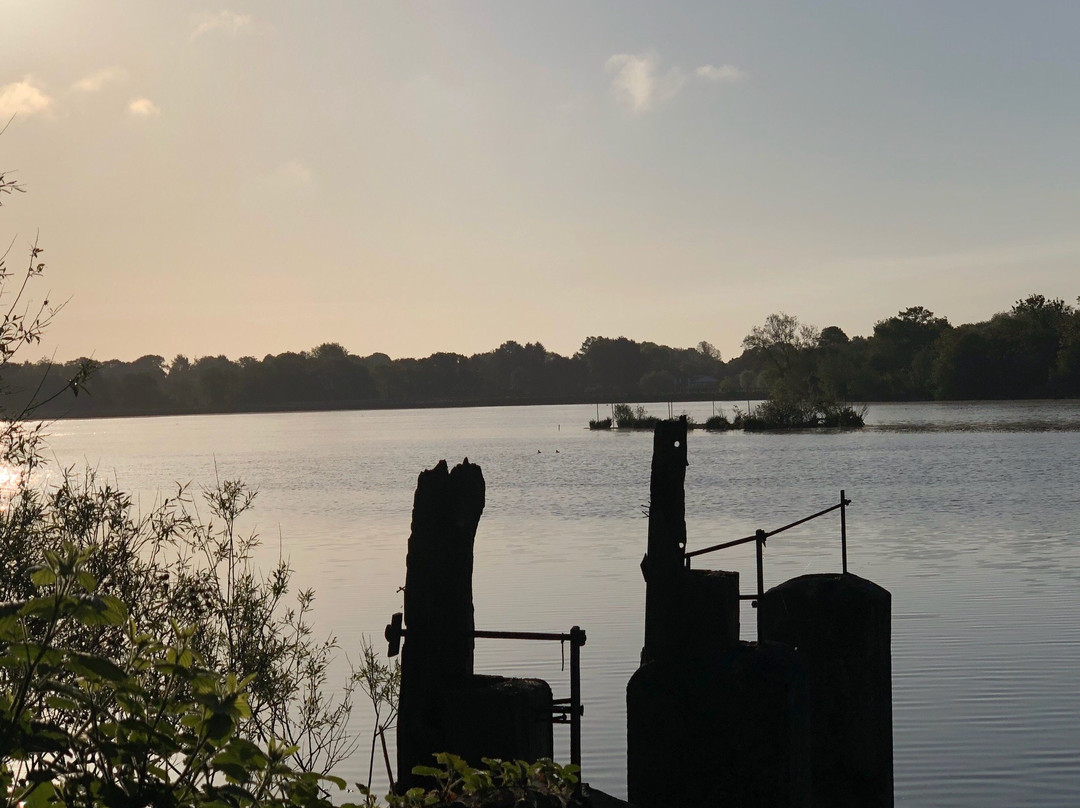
(627, 417)
(718, 423)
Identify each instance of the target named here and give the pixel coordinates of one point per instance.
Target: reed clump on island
(775, 413)
(791, 414)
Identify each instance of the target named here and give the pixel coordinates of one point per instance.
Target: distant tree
(833, 337)
(1034, 332)
(902, 352)
(1067, 363)
(707, 349)
(217, 382)
(657, 383)
(151, 363)
(969, 364)
(615, 365)
(328, 351)
(1047, 310)
(836, 363)
(786, 345)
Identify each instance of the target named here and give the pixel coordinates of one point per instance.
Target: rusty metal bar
(723, 546)
(843, 530)
(524, 635)
(830, 509)
(761, 536)
(769, 533)
(563, 709)
(576, 710)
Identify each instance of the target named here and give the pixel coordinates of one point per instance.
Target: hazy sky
(415, 177)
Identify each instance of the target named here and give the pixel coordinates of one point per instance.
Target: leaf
(99, 610)
(42, 576)
(337, 781)
(236, 772)
(86, 580)
(219, 726)
(61, 703)
(39, 607)
(10, 628)
(19, 654)
(40, 796)
(88, 664)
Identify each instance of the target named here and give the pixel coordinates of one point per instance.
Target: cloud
(95, 81)
(22, 98)
(637, 82)
(228, 21)
(725, 74)
(143, 108)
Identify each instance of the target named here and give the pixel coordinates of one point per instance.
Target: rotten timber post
(444, 706)
(663, 562)
(438, 606)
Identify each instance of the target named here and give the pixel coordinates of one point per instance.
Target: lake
(968, 513)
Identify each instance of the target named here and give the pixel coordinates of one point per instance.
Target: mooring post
(664, 560)
(438, 650)
(843, 531)
(840, 626)
(577, 639)
(760, 542)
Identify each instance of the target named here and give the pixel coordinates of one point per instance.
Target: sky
(413, 177)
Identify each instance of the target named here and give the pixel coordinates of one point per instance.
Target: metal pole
(760, 543)
(760, 563)
(577, 639)
(843, 531)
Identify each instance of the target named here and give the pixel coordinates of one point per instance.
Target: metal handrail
(561, 708)
(760, 536)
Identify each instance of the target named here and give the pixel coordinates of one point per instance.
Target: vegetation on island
(1032, 350)
(797, 399)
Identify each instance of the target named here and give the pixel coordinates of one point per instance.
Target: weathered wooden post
(444, 706)
(438, 652)
(663, 562)
(839, 625)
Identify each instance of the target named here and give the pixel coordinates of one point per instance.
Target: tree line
(1030, 351)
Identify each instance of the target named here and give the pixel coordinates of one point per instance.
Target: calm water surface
(968, 513)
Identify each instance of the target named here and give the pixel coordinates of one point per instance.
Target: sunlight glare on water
(11, 482)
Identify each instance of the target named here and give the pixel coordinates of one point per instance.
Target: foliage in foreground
(160, 728)
(497, 784)
(156, 727)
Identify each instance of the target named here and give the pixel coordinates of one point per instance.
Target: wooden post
(438, 651)
(663, 562)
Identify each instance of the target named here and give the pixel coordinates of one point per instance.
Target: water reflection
(11, 483)
(967, 513)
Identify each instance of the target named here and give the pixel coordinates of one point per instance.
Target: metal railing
(564, 711)
(760, 536)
